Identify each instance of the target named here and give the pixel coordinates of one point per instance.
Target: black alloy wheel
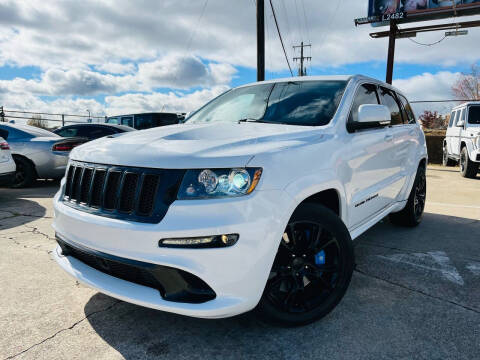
(420, 196)
(312, 268)
(25, 173)
(412, 213)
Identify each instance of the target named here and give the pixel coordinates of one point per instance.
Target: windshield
(474, 115)
(307, 103)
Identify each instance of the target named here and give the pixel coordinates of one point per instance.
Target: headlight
(477, 142)
(215, 183)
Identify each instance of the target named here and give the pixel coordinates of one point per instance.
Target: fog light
(200, 242)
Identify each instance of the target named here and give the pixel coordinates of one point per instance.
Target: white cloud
(429, 86)
(116, 68)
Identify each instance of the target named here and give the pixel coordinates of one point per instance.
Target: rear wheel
(412, 214)
(25, 173)
(468, 168)
(446, 161)
(312, 268)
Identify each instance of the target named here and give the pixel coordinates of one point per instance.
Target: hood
(195, 146)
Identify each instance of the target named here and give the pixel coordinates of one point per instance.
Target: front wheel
(312, 268)
(468, 168)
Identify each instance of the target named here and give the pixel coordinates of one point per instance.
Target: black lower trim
(7, 179)
(173, 284)
(478, 157)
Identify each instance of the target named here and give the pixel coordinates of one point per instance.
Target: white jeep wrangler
(462, 143)
(252, 202)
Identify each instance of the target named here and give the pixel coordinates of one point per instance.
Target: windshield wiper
(249, 120)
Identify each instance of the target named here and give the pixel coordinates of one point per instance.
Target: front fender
(306, 186)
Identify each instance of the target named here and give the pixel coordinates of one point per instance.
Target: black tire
(412, 214)
(301, 290)
(468, 168)
(446, 161)
(25, 174)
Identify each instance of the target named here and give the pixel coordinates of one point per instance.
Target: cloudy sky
(119, 56)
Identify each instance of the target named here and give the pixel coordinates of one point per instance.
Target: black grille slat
(127, 195)
(75, 182)
(121, 192)
(97, 187)
(85, 185)
(68, 184)
(111, 189)
(147, 194)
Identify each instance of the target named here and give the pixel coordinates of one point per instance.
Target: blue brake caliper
(320, 258)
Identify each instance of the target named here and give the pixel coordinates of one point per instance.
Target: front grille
(173, 284)
(478, 157)
(136, 194)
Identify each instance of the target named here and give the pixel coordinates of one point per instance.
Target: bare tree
(37, 121)
(467, 86)
(433, 120)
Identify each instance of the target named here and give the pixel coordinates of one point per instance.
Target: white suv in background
(252, 202)
(462, 143)
(7, 165)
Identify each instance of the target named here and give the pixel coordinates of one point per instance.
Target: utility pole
(391, 51)
(2, 114)
(260, 40)
(302, 71)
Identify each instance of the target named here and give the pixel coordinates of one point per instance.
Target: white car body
(462, 132)
(371, 171)
(7, 165)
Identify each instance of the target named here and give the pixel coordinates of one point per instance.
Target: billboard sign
(381, 12)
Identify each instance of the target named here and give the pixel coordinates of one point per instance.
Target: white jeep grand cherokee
(462, 142)
(253, 202)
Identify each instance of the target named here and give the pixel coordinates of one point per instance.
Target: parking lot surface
(414, 295)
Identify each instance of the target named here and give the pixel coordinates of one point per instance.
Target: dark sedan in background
(92, 131)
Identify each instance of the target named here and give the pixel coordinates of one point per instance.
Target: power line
(194, 32)
(280, 36)
(306, 21)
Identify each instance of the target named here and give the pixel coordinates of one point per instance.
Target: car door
(403, 146)
(449, 135)
(456, 133)
(368, 159)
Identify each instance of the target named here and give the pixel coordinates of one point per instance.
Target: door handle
(388, 137)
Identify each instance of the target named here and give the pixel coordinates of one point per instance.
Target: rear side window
(387, 98)
(474, 115)
(452, 118)
(366, 94)
(463, 115)
(68, 132)
(408, 113)
(455, 120)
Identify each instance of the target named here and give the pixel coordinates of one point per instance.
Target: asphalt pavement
(415, 294)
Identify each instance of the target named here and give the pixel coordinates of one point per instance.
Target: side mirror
(460, 123)
(371, 116)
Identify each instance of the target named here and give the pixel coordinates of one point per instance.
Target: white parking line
(453, 205)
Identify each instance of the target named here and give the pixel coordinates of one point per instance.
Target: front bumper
(236, 274)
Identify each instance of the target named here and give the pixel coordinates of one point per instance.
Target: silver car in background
(38, 153)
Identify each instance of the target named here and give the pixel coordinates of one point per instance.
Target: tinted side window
(366, 94)
(474, 115)
(68, 132)
(166, 119)
(387, 98)
(409, 115)
(94, 132)
(144, 122)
